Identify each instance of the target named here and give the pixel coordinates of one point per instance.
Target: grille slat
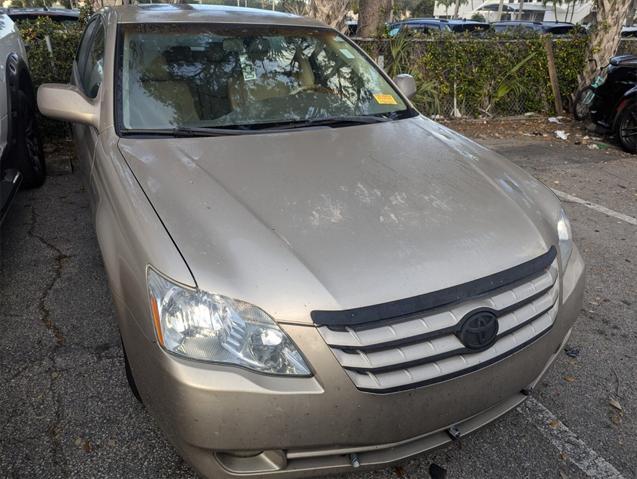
(415, 351)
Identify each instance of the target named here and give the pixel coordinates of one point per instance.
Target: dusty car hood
(341, 218)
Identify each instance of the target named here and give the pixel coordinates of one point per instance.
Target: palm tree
(555, 4)
(446, 4)
(459, 3)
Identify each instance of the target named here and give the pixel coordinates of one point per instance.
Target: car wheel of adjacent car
(627, 128)
(130, 378)
(27, 151)
(582, 104)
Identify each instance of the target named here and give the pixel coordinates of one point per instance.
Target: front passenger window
(92, 65)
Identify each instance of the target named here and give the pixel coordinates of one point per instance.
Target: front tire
(627, 128)
(27, 151)
(582, 104)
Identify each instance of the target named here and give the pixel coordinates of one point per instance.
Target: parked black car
(425, 26)
(517, 26)
(552, 28)
(60, 15)
(471, 26)
(629, 32)
(611, 101)
(563, 28)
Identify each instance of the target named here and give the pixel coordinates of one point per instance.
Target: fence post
(555, 85)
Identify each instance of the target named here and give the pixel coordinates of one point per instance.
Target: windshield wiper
(336, 121)
(188, 132)
(255, 129)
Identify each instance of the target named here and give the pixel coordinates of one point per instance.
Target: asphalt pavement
(66, 410)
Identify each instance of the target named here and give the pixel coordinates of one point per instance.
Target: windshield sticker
(249, 72)
(346, 53)
(383, 99)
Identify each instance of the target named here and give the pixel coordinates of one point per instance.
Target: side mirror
(66, 103)
(406, 84)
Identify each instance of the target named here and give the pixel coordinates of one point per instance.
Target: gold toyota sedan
(309, 275)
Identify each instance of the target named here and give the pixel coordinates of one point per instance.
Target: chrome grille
(423, 348)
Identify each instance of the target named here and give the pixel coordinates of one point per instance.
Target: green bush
(54, 65)
(489, 76)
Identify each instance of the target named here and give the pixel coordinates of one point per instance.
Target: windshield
(220, 76)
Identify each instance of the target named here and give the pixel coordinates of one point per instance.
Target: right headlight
(565, 238)
(210, 327)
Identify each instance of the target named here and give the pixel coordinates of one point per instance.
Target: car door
(88, 74)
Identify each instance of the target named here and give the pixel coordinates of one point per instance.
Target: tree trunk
(520, 10)
(456, 9)
(500, 9)
(331, 12)
(605, 35)
(372, 16)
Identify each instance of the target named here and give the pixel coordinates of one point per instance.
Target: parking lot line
(566, 441)
(596, 207)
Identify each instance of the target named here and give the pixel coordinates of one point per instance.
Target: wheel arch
(630, 96)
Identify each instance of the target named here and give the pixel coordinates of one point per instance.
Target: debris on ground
(532, 126)
(569, 379)
(571, 351)
(615, 403)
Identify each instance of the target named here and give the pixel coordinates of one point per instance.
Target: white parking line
(596, 207)
(567, 442)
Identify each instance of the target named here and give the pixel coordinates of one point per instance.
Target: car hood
(337, 218)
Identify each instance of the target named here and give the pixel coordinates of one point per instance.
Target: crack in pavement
(59, 259)
(55, 428)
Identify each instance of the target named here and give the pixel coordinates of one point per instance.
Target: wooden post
(555, 84)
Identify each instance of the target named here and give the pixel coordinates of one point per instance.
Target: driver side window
(90, 59)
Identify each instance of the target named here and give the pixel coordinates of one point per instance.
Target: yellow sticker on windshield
(383, 99)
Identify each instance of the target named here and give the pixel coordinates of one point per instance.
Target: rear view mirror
(406, 84)
(66, 103)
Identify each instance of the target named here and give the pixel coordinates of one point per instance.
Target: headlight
(565, 237)
(210, 327)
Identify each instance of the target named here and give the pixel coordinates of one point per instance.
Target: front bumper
(230, 422)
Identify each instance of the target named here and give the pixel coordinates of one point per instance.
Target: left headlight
(210, 327)
(565, 237)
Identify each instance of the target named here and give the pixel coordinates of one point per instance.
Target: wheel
(627, 128)
(582, 103)
(130, 378)
(26, 152)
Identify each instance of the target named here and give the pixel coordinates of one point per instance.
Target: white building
(535, 10)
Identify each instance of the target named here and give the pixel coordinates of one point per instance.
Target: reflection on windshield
(198, 75)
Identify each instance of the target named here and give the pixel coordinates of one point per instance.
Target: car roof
(47, 12)
(193, 13)
(462, 21)
(423, 20)
(516, 22)
(558, 24)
